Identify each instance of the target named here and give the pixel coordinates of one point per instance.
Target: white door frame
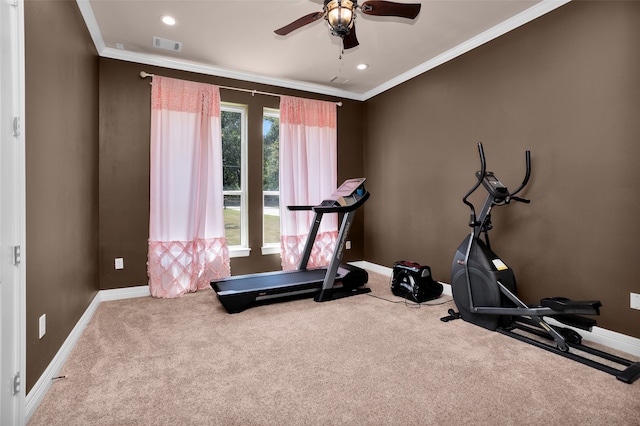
(12, 214)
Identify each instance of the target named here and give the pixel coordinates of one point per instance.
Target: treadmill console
(346, 194)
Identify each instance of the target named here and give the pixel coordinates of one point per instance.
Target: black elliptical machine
(484, 290)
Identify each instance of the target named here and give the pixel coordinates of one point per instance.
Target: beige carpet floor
(355, 361)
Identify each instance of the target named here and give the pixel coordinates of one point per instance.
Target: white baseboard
(373, 267)
(602, 336)
(608, 338)
(40, 388)
(124, 293)
(605, 337)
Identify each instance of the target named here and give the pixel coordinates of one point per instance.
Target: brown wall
(566, 87)
(124, 167)
(61, 131)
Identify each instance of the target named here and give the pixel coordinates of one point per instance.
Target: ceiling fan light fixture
(340, 16)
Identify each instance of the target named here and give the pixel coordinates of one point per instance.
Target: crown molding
(92, 25)
(534, 12)
(502, 28)
(178, 64)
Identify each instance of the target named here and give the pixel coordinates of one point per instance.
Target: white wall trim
(602, 336)
(534, 12)
(92, 24)
(124, 293)
(608, 338)
(182, 65)
(373, 267)
(39, 390)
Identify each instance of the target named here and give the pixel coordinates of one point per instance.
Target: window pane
(234, 145)
(231, 150)
(232, 219)
(271, 222)
(270, 177)
(271, 144)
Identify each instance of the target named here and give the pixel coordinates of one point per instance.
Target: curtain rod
(253, 92)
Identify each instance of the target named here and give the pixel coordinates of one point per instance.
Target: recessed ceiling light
(362, 66)
(169, 20)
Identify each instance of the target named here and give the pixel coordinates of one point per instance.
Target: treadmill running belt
(270, 281)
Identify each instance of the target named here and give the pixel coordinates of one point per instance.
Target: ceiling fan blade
(390, 8)
(298, 23)
(350, 40)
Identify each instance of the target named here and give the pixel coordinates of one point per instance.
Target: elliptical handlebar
(473, 221)
(522, 200)
(506, 197)
(527, 156)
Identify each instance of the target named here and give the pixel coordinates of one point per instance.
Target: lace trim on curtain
(308, 112)
(292, 247)
(185, 96)
(179, 267)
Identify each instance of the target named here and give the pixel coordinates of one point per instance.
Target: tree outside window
(270, 177)
(233, 120)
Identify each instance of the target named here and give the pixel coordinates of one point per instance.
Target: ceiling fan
(341, 15)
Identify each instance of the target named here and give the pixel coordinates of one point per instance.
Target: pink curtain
(308, 174)
(187, 246)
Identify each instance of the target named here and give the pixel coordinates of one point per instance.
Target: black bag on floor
(414, 282)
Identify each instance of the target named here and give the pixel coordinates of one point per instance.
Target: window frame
(268, 248)
(242, 250)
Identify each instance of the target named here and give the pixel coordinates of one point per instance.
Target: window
(235, 172)
(270, 181)
(234, 169)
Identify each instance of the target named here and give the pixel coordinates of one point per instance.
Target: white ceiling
(235, 38)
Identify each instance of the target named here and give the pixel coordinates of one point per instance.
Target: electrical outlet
(42, 326)
(348, 245)
(635, 301)
(119, 263)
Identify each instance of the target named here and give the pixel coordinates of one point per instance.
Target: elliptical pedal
(576, 321)
(588, 307)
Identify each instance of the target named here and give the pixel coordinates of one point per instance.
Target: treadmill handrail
(342, 209)
(299, 208)
(332, 209)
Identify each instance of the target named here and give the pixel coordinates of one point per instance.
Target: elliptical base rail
(629, 373)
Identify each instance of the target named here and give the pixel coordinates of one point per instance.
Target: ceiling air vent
(339, 80)
(163, 43)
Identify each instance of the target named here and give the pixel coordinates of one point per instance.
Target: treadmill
(333, 282)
